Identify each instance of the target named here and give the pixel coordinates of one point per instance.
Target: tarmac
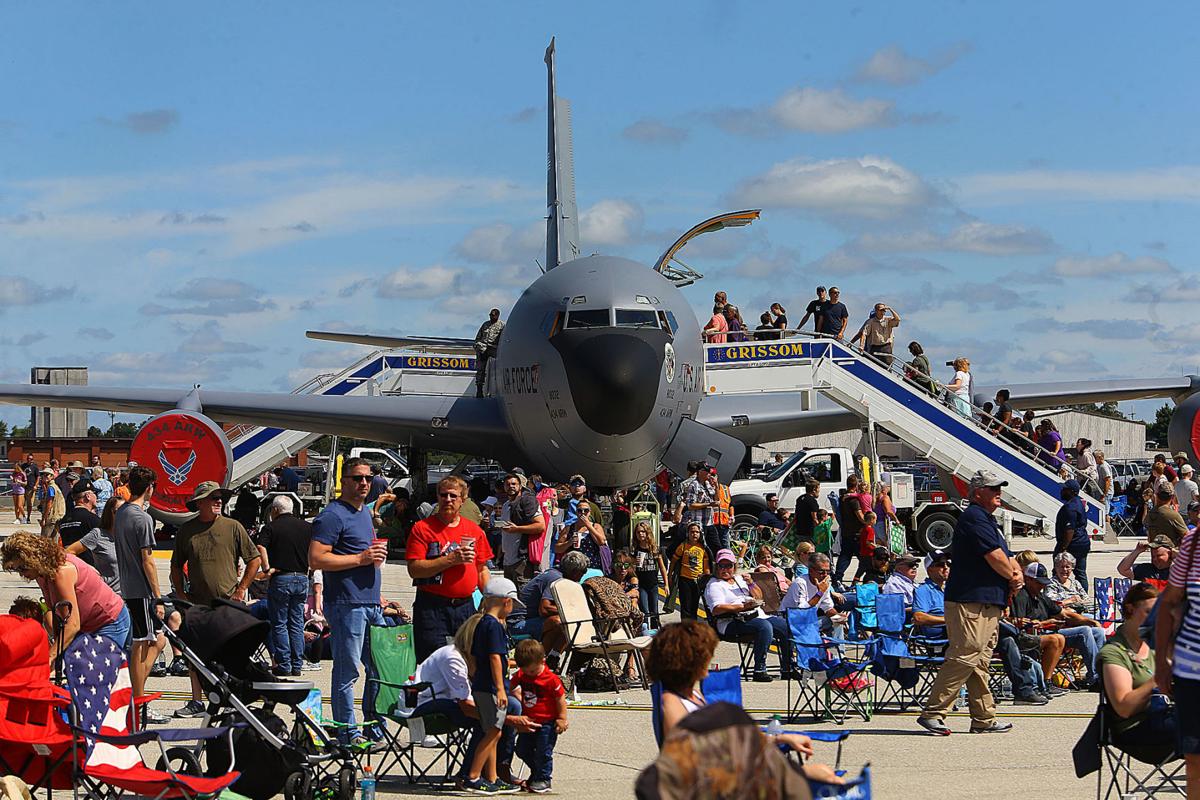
(607, 746)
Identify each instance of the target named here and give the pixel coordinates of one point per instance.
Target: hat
(577, 480)
(1162, 541)
(703, 465)
(882, 552)
(1186, 469)
(937, 557)
(1181, 454)
(983, 479)
(500, 586)
(1165, 492)
(45, 471)
(906, 561)
(76, 464)
(80, 487)
(206, 489)
(1037, 571)
(1072, 485)
(726, 555)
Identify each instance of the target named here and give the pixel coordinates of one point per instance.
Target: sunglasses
(447, 494)
(358, 478)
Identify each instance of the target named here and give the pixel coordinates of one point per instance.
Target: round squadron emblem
(669, 362)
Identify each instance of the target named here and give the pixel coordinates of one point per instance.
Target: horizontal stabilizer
(440, 343)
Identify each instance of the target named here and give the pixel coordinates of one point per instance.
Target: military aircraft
(599, 371)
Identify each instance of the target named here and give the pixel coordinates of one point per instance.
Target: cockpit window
(674, 326)
(588, 318)
(636, 318)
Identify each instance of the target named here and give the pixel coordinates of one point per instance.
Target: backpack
(57, 509)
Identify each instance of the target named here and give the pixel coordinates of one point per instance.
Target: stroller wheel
(346, 781)
(298, 786)
(180, 759)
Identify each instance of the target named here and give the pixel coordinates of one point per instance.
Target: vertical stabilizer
(562, 218)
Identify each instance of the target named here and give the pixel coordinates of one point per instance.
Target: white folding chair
(583, 637)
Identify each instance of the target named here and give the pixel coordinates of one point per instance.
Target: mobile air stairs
(889, 399)
(257, 448)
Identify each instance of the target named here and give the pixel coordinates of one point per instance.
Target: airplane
(599, 371)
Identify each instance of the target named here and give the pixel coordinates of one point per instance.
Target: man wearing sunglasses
(345, 549)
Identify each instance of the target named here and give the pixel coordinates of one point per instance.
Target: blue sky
(185, 189)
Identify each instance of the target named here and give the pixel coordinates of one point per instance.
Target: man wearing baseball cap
(1158, 571)
(977, 591)
(1032, 605)
(1071, 529)
(929, 599)
(903, 580)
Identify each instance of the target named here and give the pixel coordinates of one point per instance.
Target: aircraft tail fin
(562, 215)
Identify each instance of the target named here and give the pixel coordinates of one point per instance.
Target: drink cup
(467, 543)
(379, 543)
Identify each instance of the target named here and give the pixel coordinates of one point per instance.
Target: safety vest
(723, 515)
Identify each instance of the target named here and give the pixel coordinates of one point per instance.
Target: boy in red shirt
(866, 545)
(544, 701)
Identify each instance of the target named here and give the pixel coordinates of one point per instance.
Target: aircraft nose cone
(614, 376)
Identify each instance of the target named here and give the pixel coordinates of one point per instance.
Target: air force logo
(177, 475)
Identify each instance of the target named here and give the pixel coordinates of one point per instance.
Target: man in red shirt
(447, 558)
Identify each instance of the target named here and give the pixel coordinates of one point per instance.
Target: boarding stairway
(381, 372)
(889, 399)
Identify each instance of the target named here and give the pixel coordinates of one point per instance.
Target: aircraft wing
(442, 343)
(461, 424)
(1062, 393)
(771, 417)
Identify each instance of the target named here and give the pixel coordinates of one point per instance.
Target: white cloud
(866, 188)
(501, 243)
(1114, 265)
(1179, 183)
(894, 66)
(981, 238)
(16, 290)
(829, 111)
(849, 260)
(207, 340)
(654, 131)
(419, 284)
(610, 223)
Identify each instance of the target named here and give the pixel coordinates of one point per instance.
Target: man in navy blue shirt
(1070, 530)
(834, 315)
(977, 591)
(770, 518)
(343, 549)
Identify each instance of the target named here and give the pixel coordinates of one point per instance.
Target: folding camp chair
(768, 584)
(862, 619)
(906, 668)
(395, 662)
(1106, 609)
(98, 678)
(1118, 516)
(840, 684)
(583, 638)
(1134, 770)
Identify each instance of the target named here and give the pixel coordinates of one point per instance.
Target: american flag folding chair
(1106, 609)
(111, 764)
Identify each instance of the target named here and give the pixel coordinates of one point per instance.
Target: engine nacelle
(185, 449)
(1184, 431)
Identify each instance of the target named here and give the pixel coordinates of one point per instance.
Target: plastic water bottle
(366, 784)
(774, 727)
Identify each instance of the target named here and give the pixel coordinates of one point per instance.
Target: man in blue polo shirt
(929, 599)
(1070, 530)
(343, 548)
(985, 576)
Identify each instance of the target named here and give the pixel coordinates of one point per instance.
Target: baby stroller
(301, 760)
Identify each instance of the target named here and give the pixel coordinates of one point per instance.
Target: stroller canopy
(226, 633)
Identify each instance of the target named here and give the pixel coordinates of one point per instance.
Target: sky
(186, 188)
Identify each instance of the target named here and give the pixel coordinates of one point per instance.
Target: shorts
(1187, 714)
(144, 624)
(490, 716)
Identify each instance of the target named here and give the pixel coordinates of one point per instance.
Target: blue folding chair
(723, 685)
(862, 617)
(854, 789)
(830, 683)
(907, 665)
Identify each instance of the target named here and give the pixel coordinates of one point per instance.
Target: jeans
(531, 626)
(716, 538)
(435, 621)
(537, 751)
(117, 630)
(648, 603)
(285, 605)
(845, 556)
(450, 708)
(1081, 556)
(689, 597)
(1025, 678)
(1088, 639)
(764, 630)
(348, 639)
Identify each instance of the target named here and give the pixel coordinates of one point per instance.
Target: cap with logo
(1037, 571)
(937, 557)
(207, 489)
(985, 479)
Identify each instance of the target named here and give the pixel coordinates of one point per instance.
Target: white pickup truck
(930, 524)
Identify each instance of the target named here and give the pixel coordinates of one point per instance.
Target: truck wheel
(936, 531)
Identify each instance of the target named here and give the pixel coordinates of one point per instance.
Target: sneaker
(194, 708)
(996, 727)
(504, 787)
(362, 744)
(538, 787)
(1030, 699)
(310, 666)
(159, 670)
(934, 725)
(432, 742)
(762, 677)
(478, 786)
(152, 717)
(1055, 691)
(178, 668)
